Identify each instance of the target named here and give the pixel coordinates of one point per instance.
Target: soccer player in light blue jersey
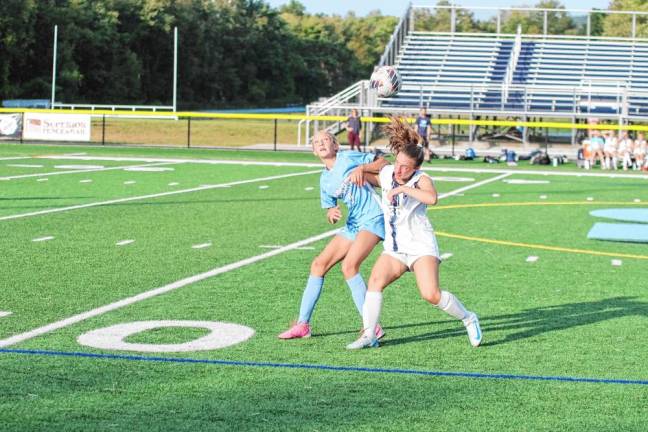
(343, 180)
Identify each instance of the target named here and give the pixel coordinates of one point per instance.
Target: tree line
(231, 52)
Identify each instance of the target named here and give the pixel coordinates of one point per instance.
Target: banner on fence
(57, 127)
(10, 126)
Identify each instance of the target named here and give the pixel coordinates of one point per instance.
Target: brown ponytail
(403, 138)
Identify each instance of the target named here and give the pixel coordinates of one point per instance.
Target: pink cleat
(297, 331)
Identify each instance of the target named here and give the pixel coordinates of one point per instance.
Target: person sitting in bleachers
(596, 147)
(640, 152)
(625, 150)
(610, 150)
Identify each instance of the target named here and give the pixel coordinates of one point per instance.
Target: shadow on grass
(501, 329)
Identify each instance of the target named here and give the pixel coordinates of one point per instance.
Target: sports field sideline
(99, 237)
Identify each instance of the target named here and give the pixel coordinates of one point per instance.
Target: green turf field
(223, 236)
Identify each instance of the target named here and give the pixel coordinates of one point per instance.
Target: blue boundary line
(325, 367)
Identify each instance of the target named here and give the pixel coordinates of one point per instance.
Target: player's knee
(319, 266)
(350, 268)
(432, 296)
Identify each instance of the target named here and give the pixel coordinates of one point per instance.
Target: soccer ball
(386, 81)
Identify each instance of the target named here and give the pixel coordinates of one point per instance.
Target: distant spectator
(354, 125)
(625, 150)
(640, 152)
(596, 146)
(423, 129)
(610, 150)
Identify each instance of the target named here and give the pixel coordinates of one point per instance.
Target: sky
(397, 8)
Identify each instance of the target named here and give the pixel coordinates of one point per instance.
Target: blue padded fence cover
(623, 214)
(636, 233)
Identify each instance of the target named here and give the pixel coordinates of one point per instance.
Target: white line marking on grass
(496, 195)
(201, 245)
(124, 242)
(14, 158)
(308, 165)
(12, 340)
(85, 181)
(42, 239)
(590, 199)
(264, 187)
(148, 169)
(543, 196)
(79, 167)
(525, 182)
(25, 165)
(474, 185)
(309, 188)
(42, 179)
(617, 262)
(158, 291)
(637, 200)
(157, 195)
(174, 184)
(532, 258)
(5, 314)
(77, 171)
(130, 182)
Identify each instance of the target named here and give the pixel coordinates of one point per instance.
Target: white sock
(371, 312)
(452, 306)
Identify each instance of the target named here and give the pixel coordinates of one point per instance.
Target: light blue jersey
(364, 208)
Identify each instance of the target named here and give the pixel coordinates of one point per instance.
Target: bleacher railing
(512, 64)
(397, 39)
(500, 15)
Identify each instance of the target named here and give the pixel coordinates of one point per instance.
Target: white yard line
(12, 340)
(182, 160)
(157, 195)
(582, 173)
(157, 291)
(14, 158)
(77, 171)
(474, 185)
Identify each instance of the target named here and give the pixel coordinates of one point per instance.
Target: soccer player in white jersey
(640, 151)
(343, 180)
(625, 150)
(410, 243)
(610, 150)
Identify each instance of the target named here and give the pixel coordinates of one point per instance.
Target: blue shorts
(375, 226)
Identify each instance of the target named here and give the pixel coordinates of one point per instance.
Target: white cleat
(473, 329)
(363, 342)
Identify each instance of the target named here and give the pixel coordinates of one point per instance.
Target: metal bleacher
(507, 75)
(520, 74)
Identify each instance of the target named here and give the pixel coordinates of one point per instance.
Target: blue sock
(358, 291)
(309, 298)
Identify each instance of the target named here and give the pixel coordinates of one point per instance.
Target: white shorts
(409, 260)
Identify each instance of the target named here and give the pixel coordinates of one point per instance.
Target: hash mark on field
(124, 242)
(130, 182)
(25, 166)
(42, 179)
(445, 256)
(532, 258)
(264, 187)
(42, 239)
(617, 262)
(174, 184)
(590, 198)
(5, 314)
(201, 245)
(85, 181)
(309, 188)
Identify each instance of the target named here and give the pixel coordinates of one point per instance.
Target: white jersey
(407, 227)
